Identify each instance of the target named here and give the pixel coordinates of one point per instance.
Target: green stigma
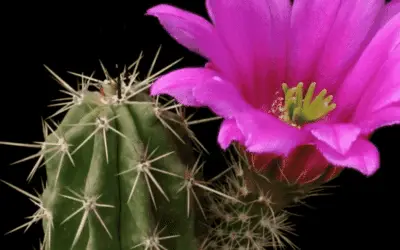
(300, 109)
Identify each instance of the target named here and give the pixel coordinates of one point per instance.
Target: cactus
(122, 157)
(116, 171)
(122, 173)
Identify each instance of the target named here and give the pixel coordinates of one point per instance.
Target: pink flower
(340, 60)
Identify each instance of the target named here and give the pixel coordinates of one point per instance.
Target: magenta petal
(255, 31)
(188, 29)
(252, 28)
(228, 133)
(210, 10)
(244, 26)
(391, 9)
(371, 61)
(389, 92)
(194, 32)
(221, 96)
(385, 117)
(339, 137)
(383, 90)
(348, 36)
(311, 24)
(362, 156)
(265, 133)
(180, 84)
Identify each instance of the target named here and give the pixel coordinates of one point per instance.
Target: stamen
(298, 109)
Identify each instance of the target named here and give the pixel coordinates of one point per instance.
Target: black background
(361, 213)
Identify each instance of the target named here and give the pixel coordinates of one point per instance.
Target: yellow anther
(299, 109)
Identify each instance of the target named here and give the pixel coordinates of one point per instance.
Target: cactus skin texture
(121, 174)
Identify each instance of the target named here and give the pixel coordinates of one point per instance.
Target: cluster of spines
(249, 221)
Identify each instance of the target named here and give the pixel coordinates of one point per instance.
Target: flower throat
(299, 109)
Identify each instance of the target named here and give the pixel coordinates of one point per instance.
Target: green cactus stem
(115, 184)
(120, 168)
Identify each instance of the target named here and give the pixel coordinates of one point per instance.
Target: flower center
(297, 109)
